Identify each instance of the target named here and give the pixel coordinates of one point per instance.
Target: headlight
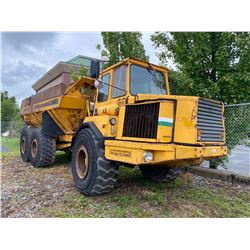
(148, 156)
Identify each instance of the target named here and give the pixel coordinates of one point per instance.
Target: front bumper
(132, 152)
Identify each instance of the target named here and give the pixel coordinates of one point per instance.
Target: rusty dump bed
(60, 73)
(49, 93)
(66, 105)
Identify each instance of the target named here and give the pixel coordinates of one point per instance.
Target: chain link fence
(10, 135)
(237, 125)
(11, 128)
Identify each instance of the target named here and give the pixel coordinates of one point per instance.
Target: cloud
(21, 72)
(23, 40)
(78, 43)
(26, 56)
(18, 78)
(30, 47)
(148, 45)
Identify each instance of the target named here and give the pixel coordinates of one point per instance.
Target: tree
(9, 111)
(211, 64)
(119, 45)
(82, 72)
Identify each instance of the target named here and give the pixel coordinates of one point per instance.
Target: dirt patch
(50, 192)
(25, 190)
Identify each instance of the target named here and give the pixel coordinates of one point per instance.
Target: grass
(136, 197)
(11, 145)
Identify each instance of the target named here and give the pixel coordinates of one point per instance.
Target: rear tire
(42, 149)
(160, 174)
(92, 173)
(25, 143)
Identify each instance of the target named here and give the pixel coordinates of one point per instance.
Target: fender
(49, 126)
(94, 129)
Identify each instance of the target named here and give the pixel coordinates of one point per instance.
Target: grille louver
(141, 120)
(209, 121)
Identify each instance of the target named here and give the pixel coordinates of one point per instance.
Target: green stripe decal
(165, 121)
(166, 124)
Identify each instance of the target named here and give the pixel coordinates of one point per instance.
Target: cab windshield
(146, 81)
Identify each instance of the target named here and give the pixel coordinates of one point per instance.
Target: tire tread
(106, 172)
(160, 174)
(47, 147)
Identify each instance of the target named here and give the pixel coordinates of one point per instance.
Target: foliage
(119, 45)
(83, 72)
(9, 111)
(178, 82)
(211, 64)
(74, 75)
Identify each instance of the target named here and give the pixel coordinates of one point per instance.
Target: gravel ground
(25, 190)
(29, 192)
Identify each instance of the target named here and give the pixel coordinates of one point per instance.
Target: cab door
(104, 89)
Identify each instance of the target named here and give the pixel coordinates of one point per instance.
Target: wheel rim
(23, 145)
(82, 162)
(34, 147)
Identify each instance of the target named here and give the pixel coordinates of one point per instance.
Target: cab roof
(135, 61)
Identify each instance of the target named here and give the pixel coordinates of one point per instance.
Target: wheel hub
(82, 160)
(23, 145)
(34, 147)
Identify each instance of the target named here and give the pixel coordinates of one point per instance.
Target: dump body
(66, 105)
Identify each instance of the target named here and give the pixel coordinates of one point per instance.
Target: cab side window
(119, 81)
(103, 91)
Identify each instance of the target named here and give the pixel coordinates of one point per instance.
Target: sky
(26, 56)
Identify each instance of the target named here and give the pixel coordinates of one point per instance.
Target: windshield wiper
(155, 75)
(112, 86)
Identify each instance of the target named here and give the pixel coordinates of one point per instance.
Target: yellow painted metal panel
(103, 124)
(132, 152)
(185, 121)
(120, 122)
(165, 121)
(74, 102)
(63, 146)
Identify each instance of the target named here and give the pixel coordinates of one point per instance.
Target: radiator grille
(209, 121)
(141, 120)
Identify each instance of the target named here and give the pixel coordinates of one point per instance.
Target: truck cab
(135, 112)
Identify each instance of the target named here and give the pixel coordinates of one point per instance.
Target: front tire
(160, 174)
(92, 173)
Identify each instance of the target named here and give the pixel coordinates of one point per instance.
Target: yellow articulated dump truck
(122, 115)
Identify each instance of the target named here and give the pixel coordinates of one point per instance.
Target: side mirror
(96, 84)
(94, 68)
(91, 106)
